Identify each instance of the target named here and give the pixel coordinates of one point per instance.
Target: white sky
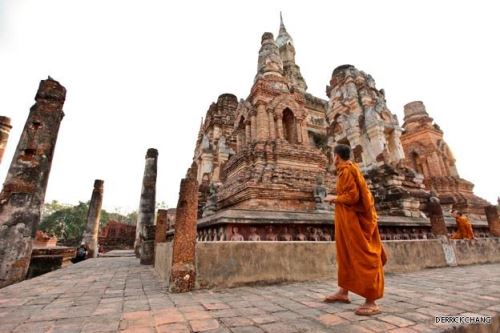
(141, 74)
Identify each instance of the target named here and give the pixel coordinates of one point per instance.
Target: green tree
(68, 222)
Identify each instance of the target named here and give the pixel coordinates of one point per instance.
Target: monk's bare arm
(348, 191)
(330, 198)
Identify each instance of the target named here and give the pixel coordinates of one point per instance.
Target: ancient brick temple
(265, 162)
(428, 154)
(116, 236)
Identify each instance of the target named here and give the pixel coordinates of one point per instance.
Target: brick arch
(282, 102)
(242, 111)
(416, 151)
(418, 148)
(239, 119)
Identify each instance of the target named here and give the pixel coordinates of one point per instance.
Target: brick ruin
(116, 236)
(90, 236)
(358, 116)
(47, 256)
(183, 271)
(144, 240)
(23, 193)
(265, 162)
(161, 226)
(428, 154)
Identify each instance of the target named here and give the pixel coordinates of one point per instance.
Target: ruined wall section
(427, 153)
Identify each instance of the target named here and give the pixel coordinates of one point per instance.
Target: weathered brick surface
(183, 272)
(427, 153)
(123, 296)
(493, 220)
(24, 188)
(161, 226)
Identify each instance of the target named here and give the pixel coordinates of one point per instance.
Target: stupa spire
(283, 36)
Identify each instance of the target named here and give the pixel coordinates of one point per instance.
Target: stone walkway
(117, 294)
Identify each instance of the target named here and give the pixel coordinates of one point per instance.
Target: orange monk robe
(360, 255)
(464, 229)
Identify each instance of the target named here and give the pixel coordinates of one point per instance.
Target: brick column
(279, 123)
(438, 226)
(23, 194)
(298, 130)
(305, 135)
(5, 128)
(262, 122)
(161, 226)
(90, 237)
(147, 209)
(183, 273)
(272, 126)
(493, 220)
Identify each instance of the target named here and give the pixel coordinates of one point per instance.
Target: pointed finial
(283, 36)
(282, 25)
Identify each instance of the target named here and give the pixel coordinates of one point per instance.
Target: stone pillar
(435, 211)
(493, 220)
(148, 244)
(161, 226)
(5, 128)
(147, 208)
(90, 237)
(183, 273)
(23, 194)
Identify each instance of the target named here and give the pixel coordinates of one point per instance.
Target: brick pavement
(117, 294)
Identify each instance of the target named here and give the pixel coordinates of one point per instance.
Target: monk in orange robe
(463, 225)
(360, 255)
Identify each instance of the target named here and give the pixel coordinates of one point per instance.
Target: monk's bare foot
(340, 296)
(369, 308)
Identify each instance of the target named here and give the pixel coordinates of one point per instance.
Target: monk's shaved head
(344, 151)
